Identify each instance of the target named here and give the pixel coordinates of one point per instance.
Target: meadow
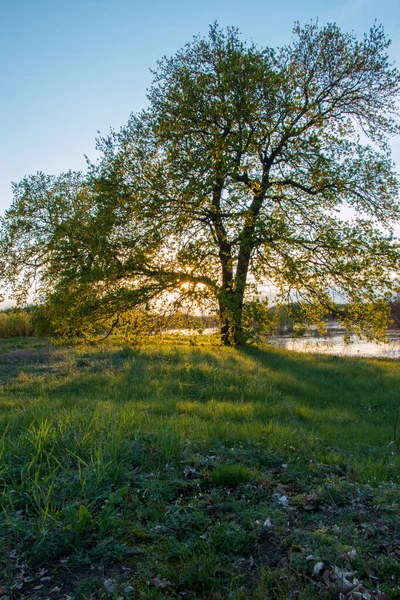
(181, 469)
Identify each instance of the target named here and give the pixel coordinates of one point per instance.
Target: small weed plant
(231, 475)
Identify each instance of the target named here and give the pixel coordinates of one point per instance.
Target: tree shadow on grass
(329, 377)
(250, 384)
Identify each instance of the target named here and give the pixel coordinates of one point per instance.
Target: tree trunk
(232, 296)
(230, 316)
(233, 287)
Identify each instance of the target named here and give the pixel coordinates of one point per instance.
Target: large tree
(247, 163)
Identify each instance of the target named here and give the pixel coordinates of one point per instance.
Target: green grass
(155, 469)
(231, 475)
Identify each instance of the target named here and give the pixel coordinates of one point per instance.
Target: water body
(334, 344)
(331, 343)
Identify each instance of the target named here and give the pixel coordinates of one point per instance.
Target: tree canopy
(249, 164)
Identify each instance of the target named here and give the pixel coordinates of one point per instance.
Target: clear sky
(69, 68)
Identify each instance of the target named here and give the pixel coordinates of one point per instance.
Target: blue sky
(70, 68)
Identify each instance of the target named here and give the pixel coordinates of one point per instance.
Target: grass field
(188, 471)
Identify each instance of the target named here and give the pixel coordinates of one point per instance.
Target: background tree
(244, 164)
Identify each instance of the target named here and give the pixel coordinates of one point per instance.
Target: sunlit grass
(206, 396)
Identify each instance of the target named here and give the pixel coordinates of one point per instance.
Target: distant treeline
(33, 321)
(395, 314)
(24, 322)
(16, 324)
(283, 323)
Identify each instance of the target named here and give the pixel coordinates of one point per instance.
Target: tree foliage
(248, 165)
